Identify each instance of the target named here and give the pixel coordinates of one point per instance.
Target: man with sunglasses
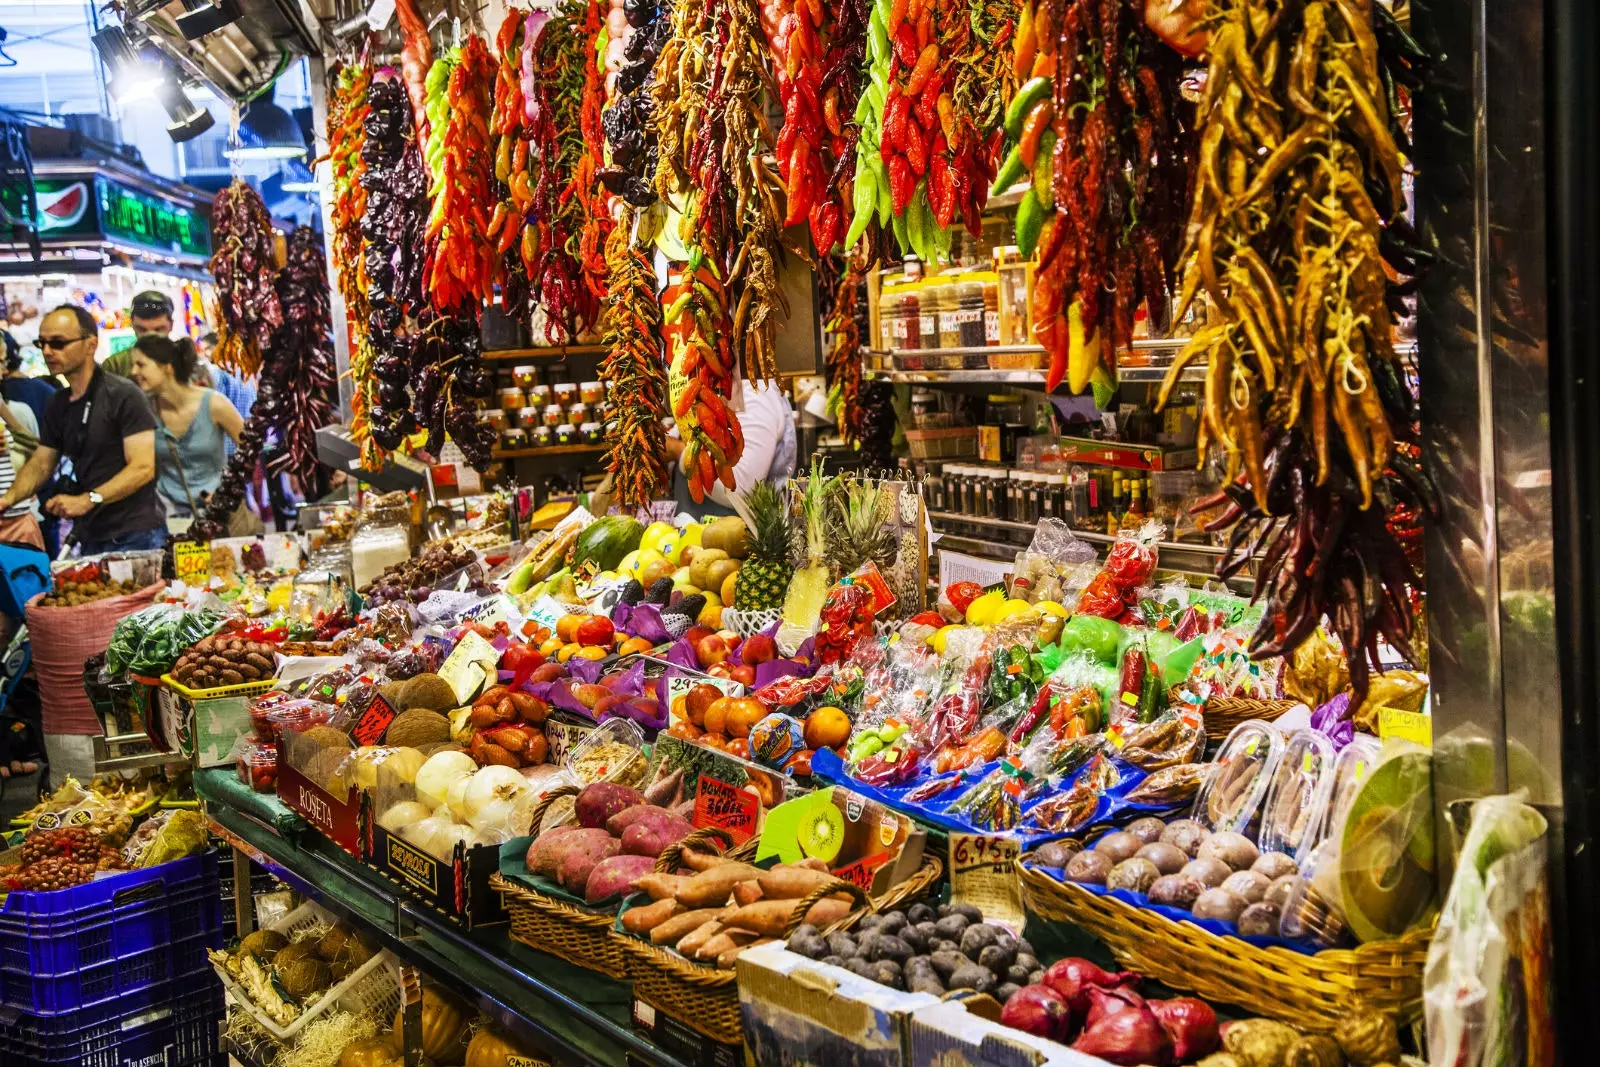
(149, 314)
(104, 425)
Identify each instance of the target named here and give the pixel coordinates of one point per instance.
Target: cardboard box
(948, 1035)
(338, 818)
(1133, 457)
(205, 727)
(682, 1041)
(798, 1012)
(459, 889)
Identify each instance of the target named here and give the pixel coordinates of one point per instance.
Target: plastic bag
(1174, 738)
(1128, 567)
(149, 642)
(1487, 987)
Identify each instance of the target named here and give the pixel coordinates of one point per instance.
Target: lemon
(1051, 607)
(1012, 608)
(986, 609)
(629, 564)
(659, 537)
(937, 639)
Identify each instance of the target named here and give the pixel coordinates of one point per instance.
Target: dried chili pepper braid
(596, 201)
(843, 365)
(300, 363)
(1107, 209)
(632, 322)
(629, 115)
(464, 262)
(554, 112)
(347, 111)
(244, 266)
(511, 180)
(808, 68)
(392, 229)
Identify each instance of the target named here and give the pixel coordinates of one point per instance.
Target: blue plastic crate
(181, 1030)
(115, 937)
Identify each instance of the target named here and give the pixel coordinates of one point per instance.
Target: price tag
(469, 664)
(679, 685)
(716, 803)
(983, 872)
(547, 610)
(1410, 726)
(374, 721)
(191, 561)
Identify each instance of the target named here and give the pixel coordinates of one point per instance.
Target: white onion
(436, 776)
(489, 796)
(423, 834)
(444, 842)
(402, 815)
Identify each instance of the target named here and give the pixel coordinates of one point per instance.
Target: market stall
(1097, 730)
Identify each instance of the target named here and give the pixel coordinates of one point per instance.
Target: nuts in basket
(221, 660)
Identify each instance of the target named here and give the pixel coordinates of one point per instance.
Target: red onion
(1130, 1037)
(1190, 1023)
(1104, 1002)
(1073, 977)
(1040, 1010)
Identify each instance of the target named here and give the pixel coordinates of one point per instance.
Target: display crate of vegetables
(206, 696)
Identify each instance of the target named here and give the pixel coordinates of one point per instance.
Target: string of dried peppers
(629, 116)
(632, 320)
(513, 189)
(463, 263)
(347, 110)
(1298, 204)
(300, 365)
(243, 267)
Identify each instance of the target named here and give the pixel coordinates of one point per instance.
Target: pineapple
(764, 578)
(802, 607)
(860, 532)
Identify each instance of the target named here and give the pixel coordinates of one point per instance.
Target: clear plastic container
(257, 765)
(375, 547)
(1297, 800)
(612, 752)
(1232, 795)
(1354, 762)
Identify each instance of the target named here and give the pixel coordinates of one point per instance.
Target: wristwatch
(95, 498)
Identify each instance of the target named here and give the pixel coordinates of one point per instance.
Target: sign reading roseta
(716, 803)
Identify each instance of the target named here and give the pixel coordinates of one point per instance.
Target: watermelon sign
(96, 206)
(61, 209)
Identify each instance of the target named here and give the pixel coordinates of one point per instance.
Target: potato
(791, 883)
(646, 917)
(650, 834)
(660, 886)
(544, 855)
(726, 960)
(610, 878)
(683, 922)
(601, 800)
(713, 887)
(579, 856)
(626, 817)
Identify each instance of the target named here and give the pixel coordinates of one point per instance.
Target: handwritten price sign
(716, 803)
(983, 872)
(191, 561)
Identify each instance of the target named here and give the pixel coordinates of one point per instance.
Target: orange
(567, 626)
(567, 651)
(715, 719)
(594, 652)
(744, 713)
(826, 727)
(633, 645)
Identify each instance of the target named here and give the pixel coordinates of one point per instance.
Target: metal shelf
(546, 352)
(1149, 374)
(553, 450)
(581, 1016)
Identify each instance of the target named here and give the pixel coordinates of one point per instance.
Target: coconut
(303, 976)
(343, 951)
(418, 727)
(428, 691)
(263, 944)
(328, 737)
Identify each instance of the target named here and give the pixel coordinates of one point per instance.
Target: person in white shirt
(767, 421)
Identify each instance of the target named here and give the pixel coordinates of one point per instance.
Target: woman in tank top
(192, 422)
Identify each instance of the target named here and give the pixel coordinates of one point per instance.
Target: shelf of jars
(1147, 361)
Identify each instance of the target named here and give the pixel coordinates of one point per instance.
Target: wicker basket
(706, 999)
(1310, 992)
(1224, 713)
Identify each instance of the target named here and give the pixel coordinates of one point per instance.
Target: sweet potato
(770, 917)
(791, 883)
(711, 888)
(697, 860)
(726, 938)
(544, 855)
(725, 961)
(829, 910)
(598, 802)
(746, 893)
(659, 886)
(691, 942)
(643, 918)
(627, 816)
(683, 922)
(650, 834)
(810, 863)
(580, 854)
(611, 877)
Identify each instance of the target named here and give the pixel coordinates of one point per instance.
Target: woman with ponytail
(191, 423)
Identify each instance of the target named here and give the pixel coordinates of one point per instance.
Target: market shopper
(18, 386)
(105, 430)
(767, 420)
(150, 315)
(195, 420)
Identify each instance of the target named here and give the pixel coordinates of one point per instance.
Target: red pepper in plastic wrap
(893, 766)
(1114, 591)
(846, 618)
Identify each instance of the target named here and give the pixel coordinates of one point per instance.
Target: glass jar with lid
(969, 309)
(989, 284)
(996, 491)
(891, 326)
(943, 286)
(375, 546)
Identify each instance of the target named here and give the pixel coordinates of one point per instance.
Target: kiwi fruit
(328, 737)
(263, 944)
(428, 691)
(822, 832)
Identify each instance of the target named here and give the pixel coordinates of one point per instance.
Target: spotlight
(267, 132)
(296, 177)
(189, 120)
(132, 77)
(201, 17)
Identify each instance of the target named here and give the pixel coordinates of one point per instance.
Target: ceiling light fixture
(189, 119)
(266, 131)
(296, 177)
(201, 17)
(132, 77)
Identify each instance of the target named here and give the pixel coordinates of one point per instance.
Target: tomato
(961, 594)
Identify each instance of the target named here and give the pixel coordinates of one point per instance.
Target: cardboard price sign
(191, 562)
(374, 721)
(716, 803)
(983, 872)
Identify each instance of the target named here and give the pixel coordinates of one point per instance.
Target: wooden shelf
(552, 450)
(546, 352)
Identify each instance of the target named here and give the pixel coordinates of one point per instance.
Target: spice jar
(591, 392)
(527, 418)
(554, 415)
(513, 437)
(564, 393)
(524, 375)
(495, 417)
(591, 433)
(513, 398)
(567, 434)
(542, 436)
(578, 413)
(938, 300)
(1053, 500)
(988, 284)
(538, 396)
(1016, 502)
(995, 487)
